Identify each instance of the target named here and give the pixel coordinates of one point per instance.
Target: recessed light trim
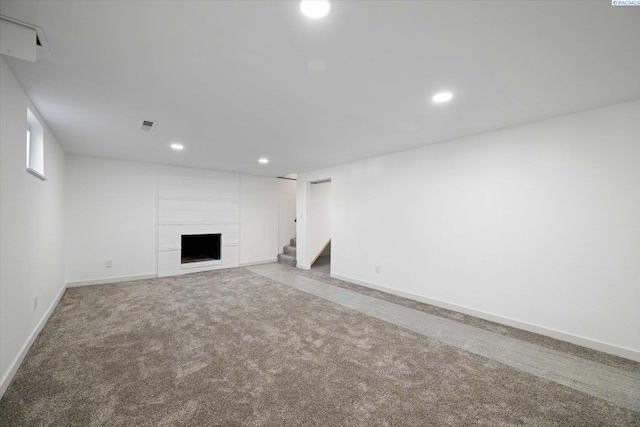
(177, 147)
(442, 97)
(315, 9)
(263, 160)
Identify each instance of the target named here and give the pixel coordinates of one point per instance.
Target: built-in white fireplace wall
(197, 201)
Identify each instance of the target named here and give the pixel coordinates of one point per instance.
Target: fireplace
(200, 247)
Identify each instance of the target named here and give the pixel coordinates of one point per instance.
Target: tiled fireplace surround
(195, 201)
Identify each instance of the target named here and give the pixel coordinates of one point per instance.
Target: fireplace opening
(200, 247)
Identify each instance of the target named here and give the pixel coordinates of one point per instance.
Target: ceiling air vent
(146, 125)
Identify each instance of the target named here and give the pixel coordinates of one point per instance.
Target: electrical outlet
(108, 264)
(377, 269)
(35, 303)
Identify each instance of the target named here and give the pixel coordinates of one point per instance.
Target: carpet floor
(531, 337)
(234, 348)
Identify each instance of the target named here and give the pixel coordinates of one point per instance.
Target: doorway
(319, 229)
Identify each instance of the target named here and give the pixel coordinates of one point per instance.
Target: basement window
(35, 146)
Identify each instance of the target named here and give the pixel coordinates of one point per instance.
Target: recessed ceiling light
(177, 147)
(315, 9)
(263, 160)
(442, 97)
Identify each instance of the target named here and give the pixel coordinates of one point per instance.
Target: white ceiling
(235, 81)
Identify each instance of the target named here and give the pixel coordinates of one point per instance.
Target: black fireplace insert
(200, 247)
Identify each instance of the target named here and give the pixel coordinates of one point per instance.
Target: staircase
(289, 255)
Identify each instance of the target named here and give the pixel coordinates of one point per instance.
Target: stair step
(293, 242)
(290, 250)
(287, 260)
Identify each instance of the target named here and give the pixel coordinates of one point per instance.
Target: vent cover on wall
(7, 32)
(146, 125)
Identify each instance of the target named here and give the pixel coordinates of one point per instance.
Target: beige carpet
(234, 348)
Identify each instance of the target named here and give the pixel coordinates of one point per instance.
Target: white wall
(536, 225)
(258, 214)
(31, 226)
(286, 212)
(318, 218)
(110, 214)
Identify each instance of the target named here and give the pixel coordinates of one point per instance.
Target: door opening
(319, 226)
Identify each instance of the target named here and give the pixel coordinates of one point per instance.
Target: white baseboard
(6, 380)
(264, 261)
(304, 267)
(182, 272)
(110, 280)
(627, 353)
